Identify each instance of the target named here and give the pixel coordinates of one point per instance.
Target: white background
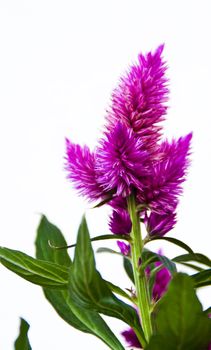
(59, 61)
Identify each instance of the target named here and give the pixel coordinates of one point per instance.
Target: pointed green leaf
(179, 319)
(88, 289)
(202, 278)
(98, 238)
(86, 321)
(97, 326)
(192, 266)
(47, 232)
(104, 201)
(174, 241)
(59, 301)
(108, 250)
(22, 342)
(37, 271)
(128, 269)
(200, 258)
(118, 290)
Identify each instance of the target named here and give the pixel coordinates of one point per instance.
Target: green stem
(139, 275)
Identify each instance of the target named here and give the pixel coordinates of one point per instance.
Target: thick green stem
(143, 300)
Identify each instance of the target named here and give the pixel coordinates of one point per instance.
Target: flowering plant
(139, 176)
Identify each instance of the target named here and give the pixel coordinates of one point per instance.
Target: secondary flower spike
(120, 223)
(159, 224)
(167, 173)
(80, 165)
(140, 99)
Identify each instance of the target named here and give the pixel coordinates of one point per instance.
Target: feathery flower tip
(140, 99)
(120, 222)
(120, 161)
(124, 248)
(160, 224)
(167, 173)
(80, 166)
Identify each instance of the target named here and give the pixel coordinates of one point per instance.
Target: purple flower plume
(140, 99)
(131, 338)
(80, 165)
(160, 224)
(124, 248)
(121, 163)
(162, 280)
(120, 223)
(168, 171)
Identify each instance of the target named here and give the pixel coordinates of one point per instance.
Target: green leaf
(174, 241)
(43, 273)
(108, 250)
(88, 289)
(97, 238)
(104, 201)
(128, 269)
(58, 299)
(118, 290)
(200, 258)
(180, 322)
(22, 342)
(97, 326)
(202, 278)
(47, 232)
(84, 320)
(87, 321)
(192, 266)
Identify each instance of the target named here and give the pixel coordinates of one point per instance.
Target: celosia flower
(121, 163)
(162, 280)
(124, 248)
(163, 185)
(160, 224)
(80, 165)
(131, 338)
(140, 99)
(129, 156)
(120, 222)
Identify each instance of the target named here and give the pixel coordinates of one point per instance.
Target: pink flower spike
(80, 165)
(140, 99)
(167, 173)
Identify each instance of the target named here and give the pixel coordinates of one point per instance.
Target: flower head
(80, 165)
(167, 173)
(120, 223)
(162, 280)
(131, 338)
(124, 248)
(121, 163)
(160, 224)
(140, 99)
